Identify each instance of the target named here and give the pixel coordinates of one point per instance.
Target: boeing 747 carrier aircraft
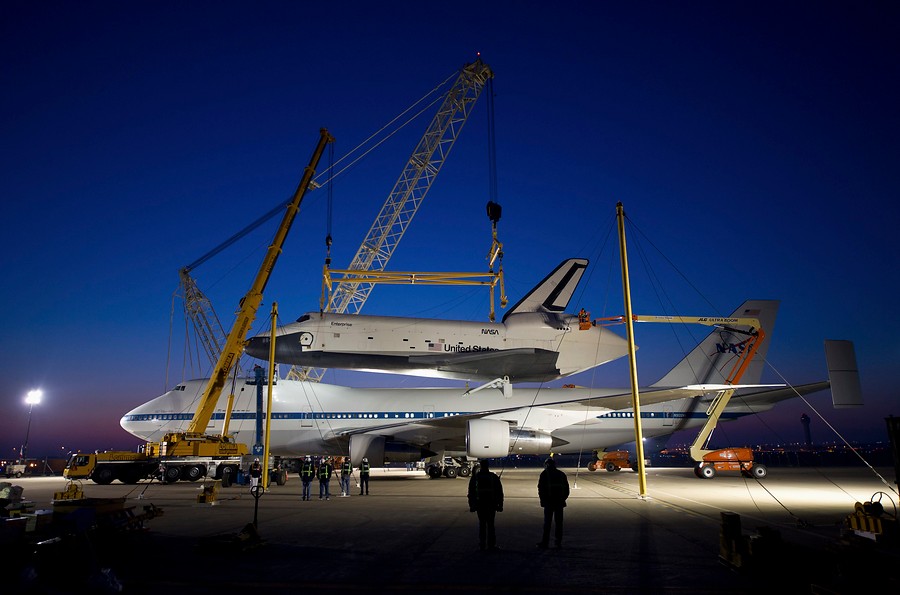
(390, 424)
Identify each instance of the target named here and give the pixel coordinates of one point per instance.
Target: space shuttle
(536, 340)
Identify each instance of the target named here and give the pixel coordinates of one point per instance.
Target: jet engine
(489, 438)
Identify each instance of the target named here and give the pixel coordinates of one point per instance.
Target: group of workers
(324, 468)
(485, 493)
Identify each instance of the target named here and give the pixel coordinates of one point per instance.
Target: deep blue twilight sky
(754, 145)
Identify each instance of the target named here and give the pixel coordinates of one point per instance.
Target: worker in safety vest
(346, 471)
(307, 472)
(324, 475)
(255, 473)
(364, 477)
(486, 498)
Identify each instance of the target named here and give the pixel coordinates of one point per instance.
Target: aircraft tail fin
(712, 359)
(554, 292)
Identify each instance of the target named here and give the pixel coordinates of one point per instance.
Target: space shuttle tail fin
(554, 292)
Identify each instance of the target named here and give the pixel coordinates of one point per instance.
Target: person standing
(324, 475)
(364, 477)
(307, 472)
(553, 490)
(346, 471)
(486, 498)
(255, 474)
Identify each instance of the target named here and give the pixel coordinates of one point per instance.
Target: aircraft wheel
(450, 472)
(706, 472)
(434, 472)
(759, 471)
(610, 467)
(172, 474)
(465, 471)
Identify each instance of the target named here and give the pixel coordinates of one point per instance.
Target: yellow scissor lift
(709, 462)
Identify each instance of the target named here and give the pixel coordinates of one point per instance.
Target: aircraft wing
(423, 431)
(524, 364)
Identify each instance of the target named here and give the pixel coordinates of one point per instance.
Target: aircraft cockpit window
(303, 318)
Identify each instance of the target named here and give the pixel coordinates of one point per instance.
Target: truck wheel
(172, 474)
(592, 466)
(18, 474)
(103, 476)
(465, 471)
(759, 471)
(434, 472)
(194, 472)
(450, 472)
(707, 472)
(610, 467)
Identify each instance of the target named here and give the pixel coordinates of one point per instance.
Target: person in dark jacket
(553, 490)
(486, 498)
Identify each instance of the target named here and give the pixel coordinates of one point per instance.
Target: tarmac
(413, 534)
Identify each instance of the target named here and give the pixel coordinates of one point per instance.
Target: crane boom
(249, 304)
(409, 191)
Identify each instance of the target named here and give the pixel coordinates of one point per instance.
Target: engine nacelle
(369, 447)
(487, 438)
(529, 442)
(490, 438)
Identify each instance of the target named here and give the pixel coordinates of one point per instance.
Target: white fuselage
(315, 418)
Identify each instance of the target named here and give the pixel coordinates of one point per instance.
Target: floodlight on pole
(31, 399)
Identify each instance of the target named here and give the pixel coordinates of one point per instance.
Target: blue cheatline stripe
(373, 415)
(393, 415)
(667, 415)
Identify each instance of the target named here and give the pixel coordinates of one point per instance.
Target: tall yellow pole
(265, 477)
(632, 362)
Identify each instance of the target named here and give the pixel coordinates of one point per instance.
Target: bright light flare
(34, 397)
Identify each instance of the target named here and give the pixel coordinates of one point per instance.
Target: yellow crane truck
(131, 467)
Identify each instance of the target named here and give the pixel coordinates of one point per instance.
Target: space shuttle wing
(525, 364)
